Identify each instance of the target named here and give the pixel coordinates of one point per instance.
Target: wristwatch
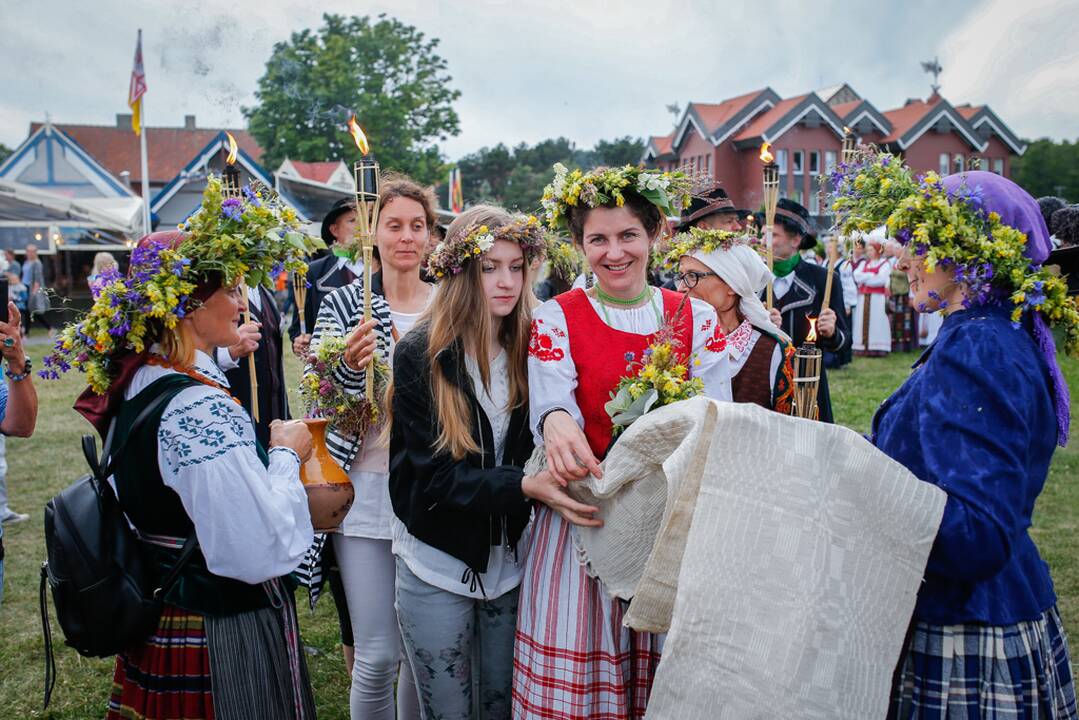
(27, 368)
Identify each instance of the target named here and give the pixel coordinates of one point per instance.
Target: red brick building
(723, 139)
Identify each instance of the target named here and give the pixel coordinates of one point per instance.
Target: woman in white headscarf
(727, 273)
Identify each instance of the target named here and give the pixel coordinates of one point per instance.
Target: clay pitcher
(329, 491)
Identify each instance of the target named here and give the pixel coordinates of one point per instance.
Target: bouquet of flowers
(324, 397)
(252, 238)
(662, 376)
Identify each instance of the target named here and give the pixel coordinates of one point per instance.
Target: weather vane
(933, 66)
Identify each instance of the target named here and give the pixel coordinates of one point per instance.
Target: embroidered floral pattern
(739, 339)
(541, 345)
(718, 342)
(783, 390)
(197, 432)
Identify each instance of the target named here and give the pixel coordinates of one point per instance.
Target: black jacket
(458, 506)
(802, 300)
(269, 369)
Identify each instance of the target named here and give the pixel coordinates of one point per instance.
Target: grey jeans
(460, 649)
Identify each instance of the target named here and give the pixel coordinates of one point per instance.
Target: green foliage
(1048, 168)
(515, 178)
(385, 71)
(5, 152)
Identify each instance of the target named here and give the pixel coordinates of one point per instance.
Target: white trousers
(368, 572)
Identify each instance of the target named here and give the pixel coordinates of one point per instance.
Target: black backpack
(108, 593)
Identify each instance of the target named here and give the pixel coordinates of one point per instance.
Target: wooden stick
(252, 376)
(771, 274)
(299, 290)
(368, 258)
(831, 272)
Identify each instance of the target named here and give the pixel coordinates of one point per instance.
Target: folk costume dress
(761, 367)
(872, 333)
(227, 644)
(573, 657)
(977, 419)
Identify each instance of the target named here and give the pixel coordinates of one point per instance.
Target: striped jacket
(338, 315)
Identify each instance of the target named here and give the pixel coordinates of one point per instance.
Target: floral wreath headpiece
(701, 240)
(450, 256)
(951, 231)
(668, 191)
(252, 238)
(565, 259)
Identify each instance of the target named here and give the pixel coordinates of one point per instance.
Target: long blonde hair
(459, 312)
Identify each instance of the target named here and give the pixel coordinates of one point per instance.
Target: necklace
(604, 298)
(192, 373)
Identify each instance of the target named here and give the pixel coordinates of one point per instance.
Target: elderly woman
(192, 474)
(979, 418)
(725, 272)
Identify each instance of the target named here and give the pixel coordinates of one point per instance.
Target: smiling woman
(572, 649)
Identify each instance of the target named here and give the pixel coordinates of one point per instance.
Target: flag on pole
(457, 198)
(137, 89)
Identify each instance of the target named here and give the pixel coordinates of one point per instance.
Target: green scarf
(783, 268)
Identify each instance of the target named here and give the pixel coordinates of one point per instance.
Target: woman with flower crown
(459, 439)
(722, 269)
(979, 417)
(192, 473)
(573, 657)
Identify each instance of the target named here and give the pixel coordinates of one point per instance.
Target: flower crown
(668, 191)
(450, 255)
(253, 238)
(565, 259)
(700, 240)
(952, 231)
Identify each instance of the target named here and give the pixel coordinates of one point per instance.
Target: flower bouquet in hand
(323, 396)
(662, 376)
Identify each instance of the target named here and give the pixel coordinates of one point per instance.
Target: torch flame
(233, 149)
(811, 336)
(357, 135)
(766, 154)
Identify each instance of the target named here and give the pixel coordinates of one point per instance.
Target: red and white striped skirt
(573, 657)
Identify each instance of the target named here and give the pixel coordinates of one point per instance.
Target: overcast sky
(529, 69)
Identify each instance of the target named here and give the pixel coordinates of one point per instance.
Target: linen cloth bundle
(784, 557)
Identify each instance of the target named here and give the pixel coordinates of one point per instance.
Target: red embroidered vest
(599, 353)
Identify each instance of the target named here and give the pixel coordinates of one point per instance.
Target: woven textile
(787, 556)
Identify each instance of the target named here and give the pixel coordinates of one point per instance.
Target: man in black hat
(798, 289)
(327, 273)
(712, 209)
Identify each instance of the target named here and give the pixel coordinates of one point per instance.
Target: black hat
(796, 218)
(339, 208)
(1064, 224)
(709, 201)
(1049, 205)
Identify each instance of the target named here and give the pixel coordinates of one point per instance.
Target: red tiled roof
(906, 117)
(766, 120)
(715, 115)
(968, 111)
(844, 109)
(316, 171)
(169, 150)
(663, 143)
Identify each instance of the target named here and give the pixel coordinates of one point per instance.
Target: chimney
(125, 178)
(189, 122)
(123, 120)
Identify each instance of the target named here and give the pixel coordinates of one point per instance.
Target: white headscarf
(742, 268)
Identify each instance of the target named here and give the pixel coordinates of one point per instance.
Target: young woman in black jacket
(458, 440)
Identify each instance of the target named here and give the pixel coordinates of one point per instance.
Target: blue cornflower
(629, 357)
(232, 208)
(251, 196)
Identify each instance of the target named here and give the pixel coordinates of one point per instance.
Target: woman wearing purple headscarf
(980, 417)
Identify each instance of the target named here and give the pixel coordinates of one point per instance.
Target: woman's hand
(543, 486)
(11, 340)
(776, 317)
(249, 336)
(300, 346)
(360, 346)
(292, 434)
(826, 323)
(568, 455)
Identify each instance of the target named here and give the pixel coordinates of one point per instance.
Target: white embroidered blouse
(552, 374)
(206, 454)
(740, 343)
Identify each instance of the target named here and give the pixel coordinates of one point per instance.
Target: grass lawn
(41, 466)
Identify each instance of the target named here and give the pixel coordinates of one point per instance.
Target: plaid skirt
(573, 658)
(984, 672)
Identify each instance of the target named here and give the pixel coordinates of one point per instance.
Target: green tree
(620, 151)
(5, 152)
(1048, 168)
(385, 72)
